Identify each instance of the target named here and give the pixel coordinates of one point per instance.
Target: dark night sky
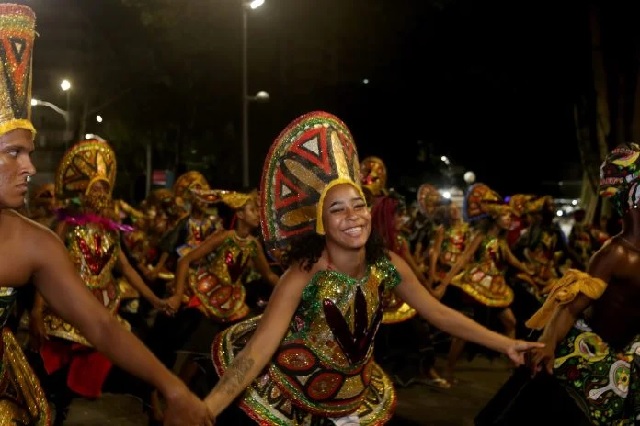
(490, 84)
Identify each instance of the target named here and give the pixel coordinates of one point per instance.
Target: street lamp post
(65, 85)
(260, 96)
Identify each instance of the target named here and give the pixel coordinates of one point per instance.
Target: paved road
(418, 405)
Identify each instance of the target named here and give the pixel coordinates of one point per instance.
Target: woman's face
(345, 216)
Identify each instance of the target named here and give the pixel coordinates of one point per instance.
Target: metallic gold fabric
(94, 252)
(22, 401)
(17, 33)
(483, 279)
(315, 372)
(219, 285)
(482, 201)
(83, 164)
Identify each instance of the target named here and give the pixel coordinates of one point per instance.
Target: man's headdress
(17, 33)
(618, 174)
(313, 154)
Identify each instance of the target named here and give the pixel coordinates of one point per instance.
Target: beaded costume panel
(94, 251)
(22, 400)
(483, 279)
(396, 310)
(218, 285)
(324, 366)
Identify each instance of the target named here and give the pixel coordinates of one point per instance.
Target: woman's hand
(517, 350)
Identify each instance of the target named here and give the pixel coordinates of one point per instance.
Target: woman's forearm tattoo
(233, 379)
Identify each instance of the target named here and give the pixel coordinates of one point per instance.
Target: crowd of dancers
(305, 301)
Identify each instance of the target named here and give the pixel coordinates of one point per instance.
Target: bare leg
(455, 351)
(508, 320)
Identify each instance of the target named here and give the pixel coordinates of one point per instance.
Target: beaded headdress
(17, 33)
(313, 154)
(84, 164)
(428, 198)
(618, 174)
(482, 201)
(373, 175)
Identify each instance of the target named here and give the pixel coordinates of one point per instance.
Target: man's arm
(56, 279)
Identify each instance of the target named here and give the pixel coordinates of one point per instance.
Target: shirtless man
(32, 253)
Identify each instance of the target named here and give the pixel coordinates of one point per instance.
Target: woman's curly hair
(307, 249)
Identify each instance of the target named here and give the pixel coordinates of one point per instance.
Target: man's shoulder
(16, 224)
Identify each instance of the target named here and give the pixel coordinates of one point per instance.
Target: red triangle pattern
(295, 195)
(15, 68)
(320, 161)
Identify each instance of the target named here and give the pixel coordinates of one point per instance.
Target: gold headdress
(519, 203)
(188, 182)
(17, 33)
(482, 201)
(237, 200)
(84, 164)
(428, 199)
(537, 204)
(313, 154)
(373, 175)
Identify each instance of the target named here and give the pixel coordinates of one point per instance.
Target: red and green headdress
(619, 172)
(314, 153)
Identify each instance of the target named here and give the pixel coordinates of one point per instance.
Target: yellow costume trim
(335, 182)
(17, 123)
(564, 291)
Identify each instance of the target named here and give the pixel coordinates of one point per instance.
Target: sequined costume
(93, 243)
(325, 356)
(395, 309)
(22, 401)
(454, 242)
(323, 368)
(94, 251)
(218, 286)
(484, 277)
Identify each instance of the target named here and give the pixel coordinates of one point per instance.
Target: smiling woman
(316, 335)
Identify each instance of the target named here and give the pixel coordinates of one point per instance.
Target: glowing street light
(65, 85)
(261, 96)
(99, 118)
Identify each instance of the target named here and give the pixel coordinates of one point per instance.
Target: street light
(63, 113)
(261, 96)
(65, 85)
(99, 118)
